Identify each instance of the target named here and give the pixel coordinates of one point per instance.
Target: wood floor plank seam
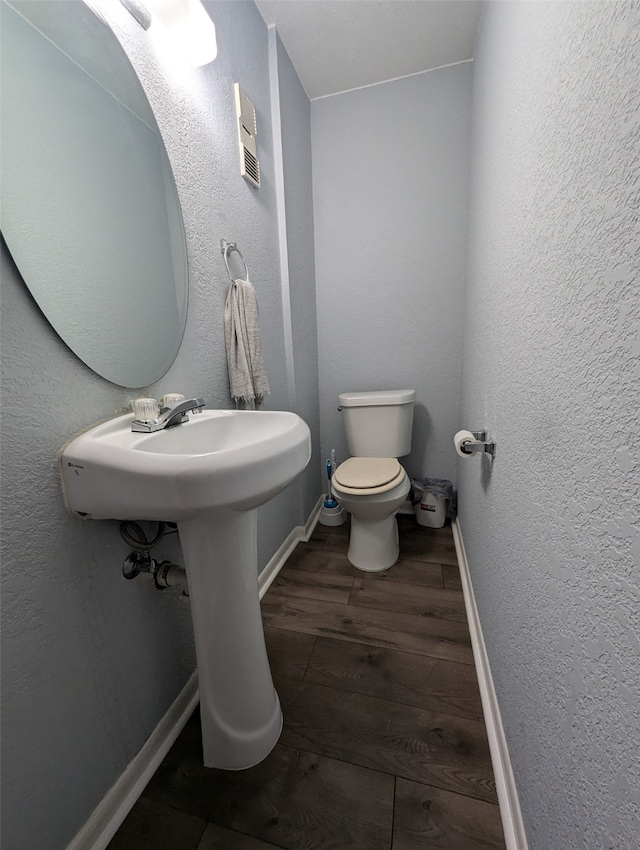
(313, 649)
(457, 688)
(446, 639)
(312, 752)
(394, 776)
(336, 636)
(456, 793)
(247, 835)
(393, 812)
(381, 607)
(394, 701)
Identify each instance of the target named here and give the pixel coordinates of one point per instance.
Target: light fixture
(192, 30)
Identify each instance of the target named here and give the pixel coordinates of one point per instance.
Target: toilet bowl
(360, 487)
(371, 485)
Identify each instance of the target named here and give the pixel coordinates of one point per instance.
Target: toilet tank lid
(371, 399)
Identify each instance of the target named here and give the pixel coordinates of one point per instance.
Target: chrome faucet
(169, 416)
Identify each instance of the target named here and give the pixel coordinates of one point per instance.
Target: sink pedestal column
(239, 706)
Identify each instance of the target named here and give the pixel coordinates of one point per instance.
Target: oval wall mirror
(89, 209)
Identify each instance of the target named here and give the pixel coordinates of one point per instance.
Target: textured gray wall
(295, 136)
(551, 369)
(390, 191)
(90, 662)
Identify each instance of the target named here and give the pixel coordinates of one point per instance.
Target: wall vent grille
(251, 167)
(247, 131)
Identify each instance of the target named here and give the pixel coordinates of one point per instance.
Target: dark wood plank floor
(384, 745)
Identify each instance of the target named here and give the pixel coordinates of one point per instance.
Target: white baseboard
(120, 799)
(513, 825)
(108, 816)
(298, 534)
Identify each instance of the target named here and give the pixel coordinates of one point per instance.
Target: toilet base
(373, 544)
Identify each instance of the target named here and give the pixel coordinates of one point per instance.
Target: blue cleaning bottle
(330, 502)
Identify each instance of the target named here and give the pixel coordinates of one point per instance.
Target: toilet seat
(366, 476)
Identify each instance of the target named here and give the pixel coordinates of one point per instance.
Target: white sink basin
(220, 458)
(209, 475)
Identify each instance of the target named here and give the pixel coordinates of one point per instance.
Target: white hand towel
(247, 376)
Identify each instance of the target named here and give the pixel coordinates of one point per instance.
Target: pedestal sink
(209, 475)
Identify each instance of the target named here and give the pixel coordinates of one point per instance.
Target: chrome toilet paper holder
(480, 444)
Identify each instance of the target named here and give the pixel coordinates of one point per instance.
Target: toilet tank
(378, 424)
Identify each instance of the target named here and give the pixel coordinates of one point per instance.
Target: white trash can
(431, 510)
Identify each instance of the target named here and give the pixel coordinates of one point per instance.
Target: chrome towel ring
(227, 248)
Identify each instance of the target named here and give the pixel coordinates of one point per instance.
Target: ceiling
(338, 45)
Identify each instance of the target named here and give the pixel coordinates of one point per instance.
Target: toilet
(371, 485)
